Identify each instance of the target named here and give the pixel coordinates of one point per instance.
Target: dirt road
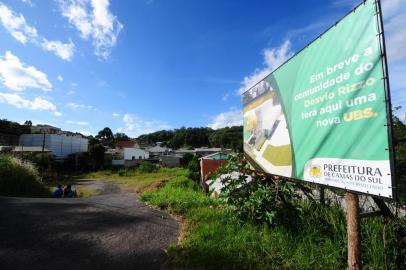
(113, 230)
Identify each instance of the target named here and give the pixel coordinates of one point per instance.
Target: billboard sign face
(322, 116)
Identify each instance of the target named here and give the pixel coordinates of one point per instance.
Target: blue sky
(145, 65)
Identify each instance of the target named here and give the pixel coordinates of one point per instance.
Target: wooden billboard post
(353, 231)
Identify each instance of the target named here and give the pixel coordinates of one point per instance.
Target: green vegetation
(214, 237)
(10, 127)
(20, 178)
(228, 137)
(399, 130)
(135, 179)
(179, 196)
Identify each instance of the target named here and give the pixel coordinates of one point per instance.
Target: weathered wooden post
(353, 231)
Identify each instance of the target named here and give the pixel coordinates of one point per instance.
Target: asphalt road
(113, 230)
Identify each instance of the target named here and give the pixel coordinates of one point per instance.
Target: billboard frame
(389, 122)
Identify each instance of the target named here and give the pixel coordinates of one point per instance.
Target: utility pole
(353, 231)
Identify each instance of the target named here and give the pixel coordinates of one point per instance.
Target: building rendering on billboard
(323, 116)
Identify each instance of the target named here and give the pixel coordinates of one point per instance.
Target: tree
(96, 153)
(93, 140)
(119, 136)
(13, 128)
(28, 123)
(187, 157)
(105, 136)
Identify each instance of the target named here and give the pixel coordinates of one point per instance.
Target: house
(210, 163)
(135, 153)
(133, 156)
(158, 150)
(60, 145)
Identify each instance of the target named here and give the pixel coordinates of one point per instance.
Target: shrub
(20, 178)
(256, 197)
(146, 167)
(194, 169)
(122, 172)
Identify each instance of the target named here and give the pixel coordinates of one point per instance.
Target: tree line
(228, 137)
(13, 128)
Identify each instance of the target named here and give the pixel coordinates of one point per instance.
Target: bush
(20, 178)
(122, 172)
(255, 197)
(194, 169)
(146, 167)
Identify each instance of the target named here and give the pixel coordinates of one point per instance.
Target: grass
(20, 178)
(215, 239)
(134, 179)
(179, 196)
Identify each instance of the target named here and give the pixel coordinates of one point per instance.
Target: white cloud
(230, 118)
(28, 2)
(78, 123)
(93, 19)
(18, 76)
(17, 26)
(273, 58)
(135, 125)
(116, 114)
(63, 50)
(75, 106)
(60, 78)
(70, 92)
(57, 113)
(85, 132)
(22, 103)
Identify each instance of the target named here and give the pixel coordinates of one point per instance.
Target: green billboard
(322, 116)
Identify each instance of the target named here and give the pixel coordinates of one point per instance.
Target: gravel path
(113, 230)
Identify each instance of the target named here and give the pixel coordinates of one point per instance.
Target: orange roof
(126, 144)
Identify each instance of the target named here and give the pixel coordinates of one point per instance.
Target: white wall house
(135, 153)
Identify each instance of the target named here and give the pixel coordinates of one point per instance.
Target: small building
(158, 150)
(135, 153)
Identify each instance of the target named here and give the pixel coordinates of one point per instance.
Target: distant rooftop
(217, 156)
(126, 144)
